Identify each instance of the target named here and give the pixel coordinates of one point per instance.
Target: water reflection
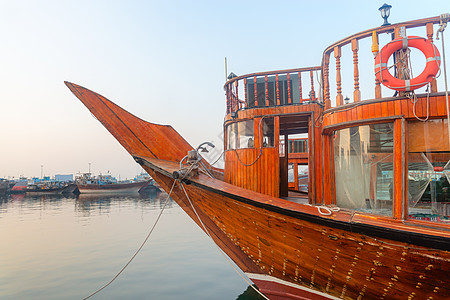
(65, 247)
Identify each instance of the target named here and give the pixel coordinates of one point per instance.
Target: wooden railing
(274, 88)
(285, 87)
(353, 42)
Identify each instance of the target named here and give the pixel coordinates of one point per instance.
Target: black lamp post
(385, 12)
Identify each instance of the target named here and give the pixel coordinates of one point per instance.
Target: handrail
(353, 40)
(278, 89)
(234, 101)
(381, 29)
(316, 68)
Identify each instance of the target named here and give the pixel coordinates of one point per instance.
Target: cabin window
(240, 135)
(281, 146)
(291, 173)
(298, 146)
(268, 132)
(428, 170)
(363, 168)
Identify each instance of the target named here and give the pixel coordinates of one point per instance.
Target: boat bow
(138, 137)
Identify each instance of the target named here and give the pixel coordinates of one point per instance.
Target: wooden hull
(290, 250)
(122, 188)
(290, 254)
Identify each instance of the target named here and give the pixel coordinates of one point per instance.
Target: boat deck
(301, 198)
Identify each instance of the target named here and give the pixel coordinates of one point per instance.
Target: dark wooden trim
(330, 128)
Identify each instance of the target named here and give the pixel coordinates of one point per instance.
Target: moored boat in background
(20, 186)
(4, 186)
(107, 184)
(375, 221)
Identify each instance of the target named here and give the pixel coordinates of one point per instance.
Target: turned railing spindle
(300, 87)
(267, 90)
(237, 94)
(337, 56)
(289, 89)
(430, 38)
(356, 92)
(227, 91)
(313, 93)
(278, 89)
(256, 91)
(326, 82)
(245, 92)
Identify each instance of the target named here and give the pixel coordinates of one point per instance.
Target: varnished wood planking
(317, 256)
(378, 110)
(252, 170)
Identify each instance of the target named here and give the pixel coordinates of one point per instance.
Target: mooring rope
(220, 250)
(139, 249)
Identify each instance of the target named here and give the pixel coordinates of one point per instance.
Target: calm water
(59, 247)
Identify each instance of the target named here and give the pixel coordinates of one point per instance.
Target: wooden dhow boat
(375, 221)
(106, 184)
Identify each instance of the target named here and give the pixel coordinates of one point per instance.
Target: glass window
(240, 135)
(268, 132)
(282, 150)
(303, 179)
(428, 171)
(298, 146)
(363, 168)
(231, 136)
(291, 173)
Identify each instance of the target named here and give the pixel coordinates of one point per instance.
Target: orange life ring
(432, 67)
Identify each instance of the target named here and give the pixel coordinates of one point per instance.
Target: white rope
(414, 101)
(328, 210)
(139, 249)
(220, 250)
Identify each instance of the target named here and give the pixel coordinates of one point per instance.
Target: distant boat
(40, 189)
(70, 188)
(4, 186)
(20, 186)
(106, 184)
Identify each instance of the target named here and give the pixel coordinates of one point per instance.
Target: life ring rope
(429, 73)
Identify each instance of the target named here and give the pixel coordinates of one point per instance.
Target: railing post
(237, 94)
(356, 92)
(245, 92)
(228, 98)
(430, 38)
(278, 90)
(326, 82)
(313, 93)
(267, 90)
(256, 90)
(289, 89)
(337, 55)
(300, 87)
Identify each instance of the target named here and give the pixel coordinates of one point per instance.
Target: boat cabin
(359, 142)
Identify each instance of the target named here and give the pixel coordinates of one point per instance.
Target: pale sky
(160, 60)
